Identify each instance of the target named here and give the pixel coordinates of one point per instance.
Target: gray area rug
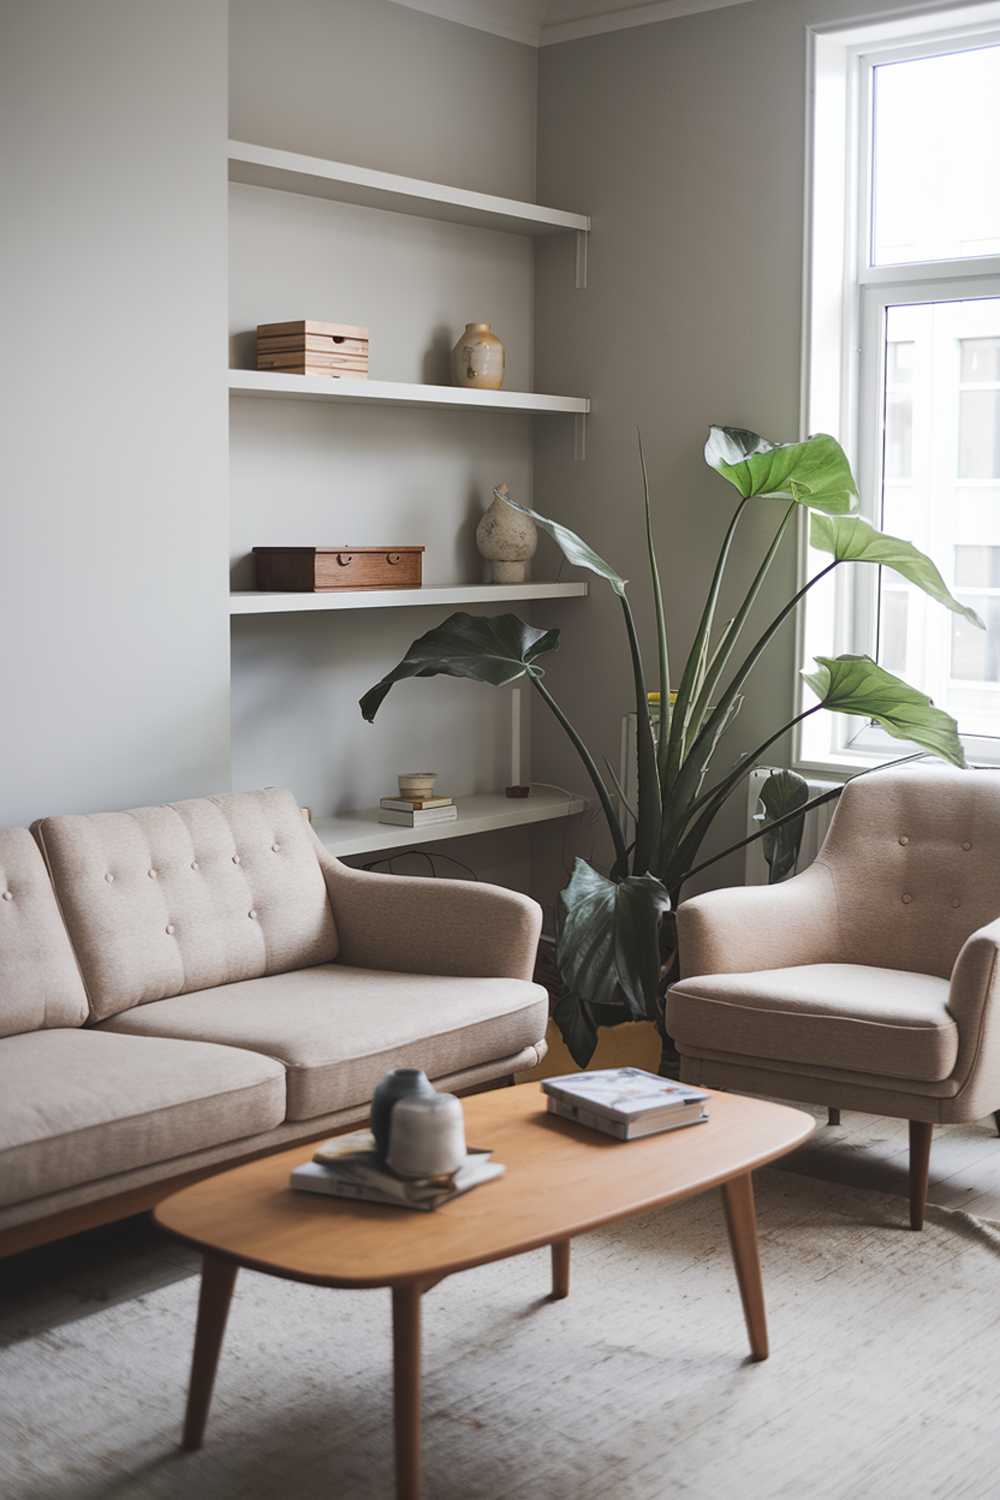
(882, 1379)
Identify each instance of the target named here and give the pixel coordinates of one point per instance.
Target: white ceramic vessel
(427, 1136)
(507, 539)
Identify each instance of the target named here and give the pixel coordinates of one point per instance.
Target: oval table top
(561, 1180)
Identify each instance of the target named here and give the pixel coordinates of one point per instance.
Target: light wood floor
(869, 1151)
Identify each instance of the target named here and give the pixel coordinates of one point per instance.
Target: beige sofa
(186, 985)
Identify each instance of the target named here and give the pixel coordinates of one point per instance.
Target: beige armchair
(870, 981)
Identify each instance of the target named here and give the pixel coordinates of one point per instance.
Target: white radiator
(817, 822)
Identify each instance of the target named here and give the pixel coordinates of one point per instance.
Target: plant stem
(647, 829)
(614, 825)
(798, 812)
(661, 622)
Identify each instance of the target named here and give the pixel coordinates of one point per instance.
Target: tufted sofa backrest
(914, 854)
(40, 983)
(161, 901)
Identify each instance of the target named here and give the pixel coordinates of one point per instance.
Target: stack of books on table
(416, 812)
(625, 1102)
(348, 1167)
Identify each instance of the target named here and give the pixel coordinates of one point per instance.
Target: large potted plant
(616, 949)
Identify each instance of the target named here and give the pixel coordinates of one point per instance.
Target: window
(903, 357)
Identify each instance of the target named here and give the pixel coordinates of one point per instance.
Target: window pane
(937, 158)
(941, 491)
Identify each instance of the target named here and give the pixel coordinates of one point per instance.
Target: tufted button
(110, 878)
(8, 895)
(275, 848)
(152, 874)
(194, 864)
(907, 898)
(252, 915)
(236, 859)
(955, 902)
(169, 929)
(967, 845)
(904, 839)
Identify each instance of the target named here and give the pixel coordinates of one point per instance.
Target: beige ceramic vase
(477, 360)
(507, 538)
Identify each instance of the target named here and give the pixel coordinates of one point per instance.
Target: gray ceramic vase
(401, 1083)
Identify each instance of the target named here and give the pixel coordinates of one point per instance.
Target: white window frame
(844, 301)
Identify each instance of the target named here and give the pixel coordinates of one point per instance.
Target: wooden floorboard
(869, 1151)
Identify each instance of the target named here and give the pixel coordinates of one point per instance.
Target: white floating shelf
(249, 602)
(397, 393)
(260, 166)
(362, 833)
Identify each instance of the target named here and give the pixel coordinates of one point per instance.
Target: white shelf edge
(362, 833)
(398, 393)
(290, 172)
(253, 602)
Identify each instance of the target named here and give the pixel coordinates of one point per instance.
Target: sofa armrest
(417, 925)
(747, 928)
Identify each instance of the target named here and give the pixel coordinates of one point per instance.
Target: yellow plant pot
(634, 1044)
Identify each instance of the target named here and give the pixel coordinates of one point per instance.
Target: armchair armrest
(973, 1001)
(416, 925)
(753, 927)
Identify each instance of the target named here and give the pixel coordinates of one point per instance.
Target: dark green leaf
(814, 473)
(495, 650)
(851, 539)
(781, 794)
(858, 685)
(573, 547)
(576, 1027)
(609, 939)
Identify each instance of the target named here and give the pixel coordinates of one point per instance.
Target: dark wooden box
(320, 569)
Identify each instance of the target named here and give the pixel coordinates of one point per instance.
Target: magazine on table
(642, 1103)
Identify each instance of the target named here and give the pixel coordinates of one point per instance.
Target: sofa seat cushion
(845, 1016)
(337, 1030)
(81, 1105)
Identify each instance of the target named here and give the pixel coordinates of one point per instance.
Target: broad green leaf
(852, 539)
(781, 794)
(858, 685)
(495, 650)
(577, 1027)
(609, 939)
(572, 547)
(814, 473)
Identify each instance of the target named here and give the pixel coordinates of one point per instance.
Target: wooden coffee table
(561, 1181)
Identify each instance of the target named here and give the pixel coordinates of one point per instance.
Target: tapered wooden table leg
(406, 1387)
(217, 1280)
(560, 1269)
(741, 1221)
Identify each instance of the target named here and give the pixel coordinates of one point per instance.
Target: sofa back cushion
(40, 983)
(161, 901)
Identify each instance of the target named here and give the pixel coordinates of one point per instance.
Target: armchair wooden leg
(832, 1115)
(996, 1120)
(920, 1161)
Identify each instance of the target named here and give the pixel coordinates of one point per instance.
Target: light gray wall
(374, 83)
(685, 141)
(114, 669)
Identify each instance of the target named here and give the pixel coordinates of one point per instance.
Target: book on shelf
(627, 1130)
(348, 1167)
(628, 1099)
(414, 804)
(419, 818)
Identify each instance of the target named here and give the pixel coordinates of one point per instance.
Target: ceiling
(540, 23)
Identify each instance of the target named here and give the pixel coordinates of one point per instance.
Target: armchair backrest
(914, 854)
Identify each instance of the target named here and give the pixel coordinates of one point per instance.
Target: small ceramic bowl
(417, 783)
(427, 1136)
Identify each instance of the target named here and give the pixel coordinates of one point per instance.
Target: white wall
(113, 673)
(685, 141)
(374, 83)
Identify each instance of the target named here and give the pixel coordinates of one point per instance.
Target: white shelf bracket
(580, 437)
(582, 258)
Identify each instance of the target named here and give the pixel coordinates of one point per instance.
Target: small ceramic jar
(402, 1083)
(477, 360)
(507, 539)
(427, 1136)
(417, 784)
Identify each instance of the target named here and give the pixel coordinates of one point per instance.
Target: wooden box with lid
(310, 348)
(318, 570)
